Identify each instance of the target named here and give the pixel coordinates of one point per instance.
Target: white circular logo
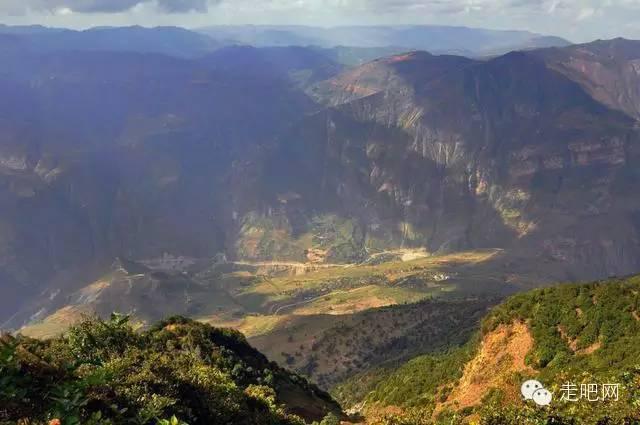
(529, 387)
(542, 397)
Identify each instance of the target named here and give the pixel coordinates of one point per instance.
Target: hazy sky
(577, 20)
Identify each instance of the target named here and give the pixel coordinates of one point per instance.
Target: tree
(330, 419)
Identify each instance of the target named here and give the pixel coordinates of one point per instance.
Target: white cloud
(101, 6)
(585, 13)
(62, 11)
(573, 19)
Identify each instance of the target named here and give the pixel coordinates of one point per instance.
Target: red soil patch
(502, 353)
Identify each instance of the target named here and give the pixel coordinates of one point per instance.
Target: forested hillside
(104, 372)
(566, 337)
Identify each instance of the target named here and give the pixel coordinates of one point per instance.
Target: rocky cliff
(106, 155)
(505, 153)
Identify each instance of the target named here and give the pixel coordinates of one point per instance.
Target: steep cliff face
(507, 153)
(122, 154)
(111, 154)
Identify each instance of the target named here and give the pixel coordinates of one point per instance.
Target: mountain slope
(154, 155)
(577, 334)
(608, 70)
(354, 343)
(130, 288)
(302, 65)
(390, 74)
(172, 41)
(266, 300)
(505, 153)
(138, 135)
(104, 372)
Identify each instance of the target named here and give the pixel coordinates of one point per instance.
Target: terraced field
(341, 289)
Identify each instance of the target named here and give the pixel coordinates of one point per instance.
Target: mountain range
(433, 38)
(374, 208)
(347, 44)
(284, 154)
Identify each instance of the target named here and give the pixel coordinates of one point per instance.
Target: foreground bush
(180, 371)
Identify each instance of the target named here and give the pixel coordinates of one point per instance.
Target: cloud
(92, 6)
(586, 13)
(103, 6)
(180, 6)
(440, 7)
(577, 20)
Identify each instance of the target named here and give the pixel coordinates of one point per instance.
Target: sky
(576, 20)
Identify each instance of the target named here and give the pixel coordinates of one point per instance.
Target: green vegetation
(273, 238)
(582, 334)
(408, 385)
(342, 238)
(329, 349)
(567, 319)
(267, 238)
(180, 371)
(402, 281)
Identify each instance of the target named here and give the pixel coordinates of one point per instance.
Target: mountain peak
(406, 57)
(606, 69)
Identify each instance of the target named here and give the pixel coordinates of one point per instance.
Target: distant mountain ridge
(171, 41)
(432, 38)
(345, 42)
